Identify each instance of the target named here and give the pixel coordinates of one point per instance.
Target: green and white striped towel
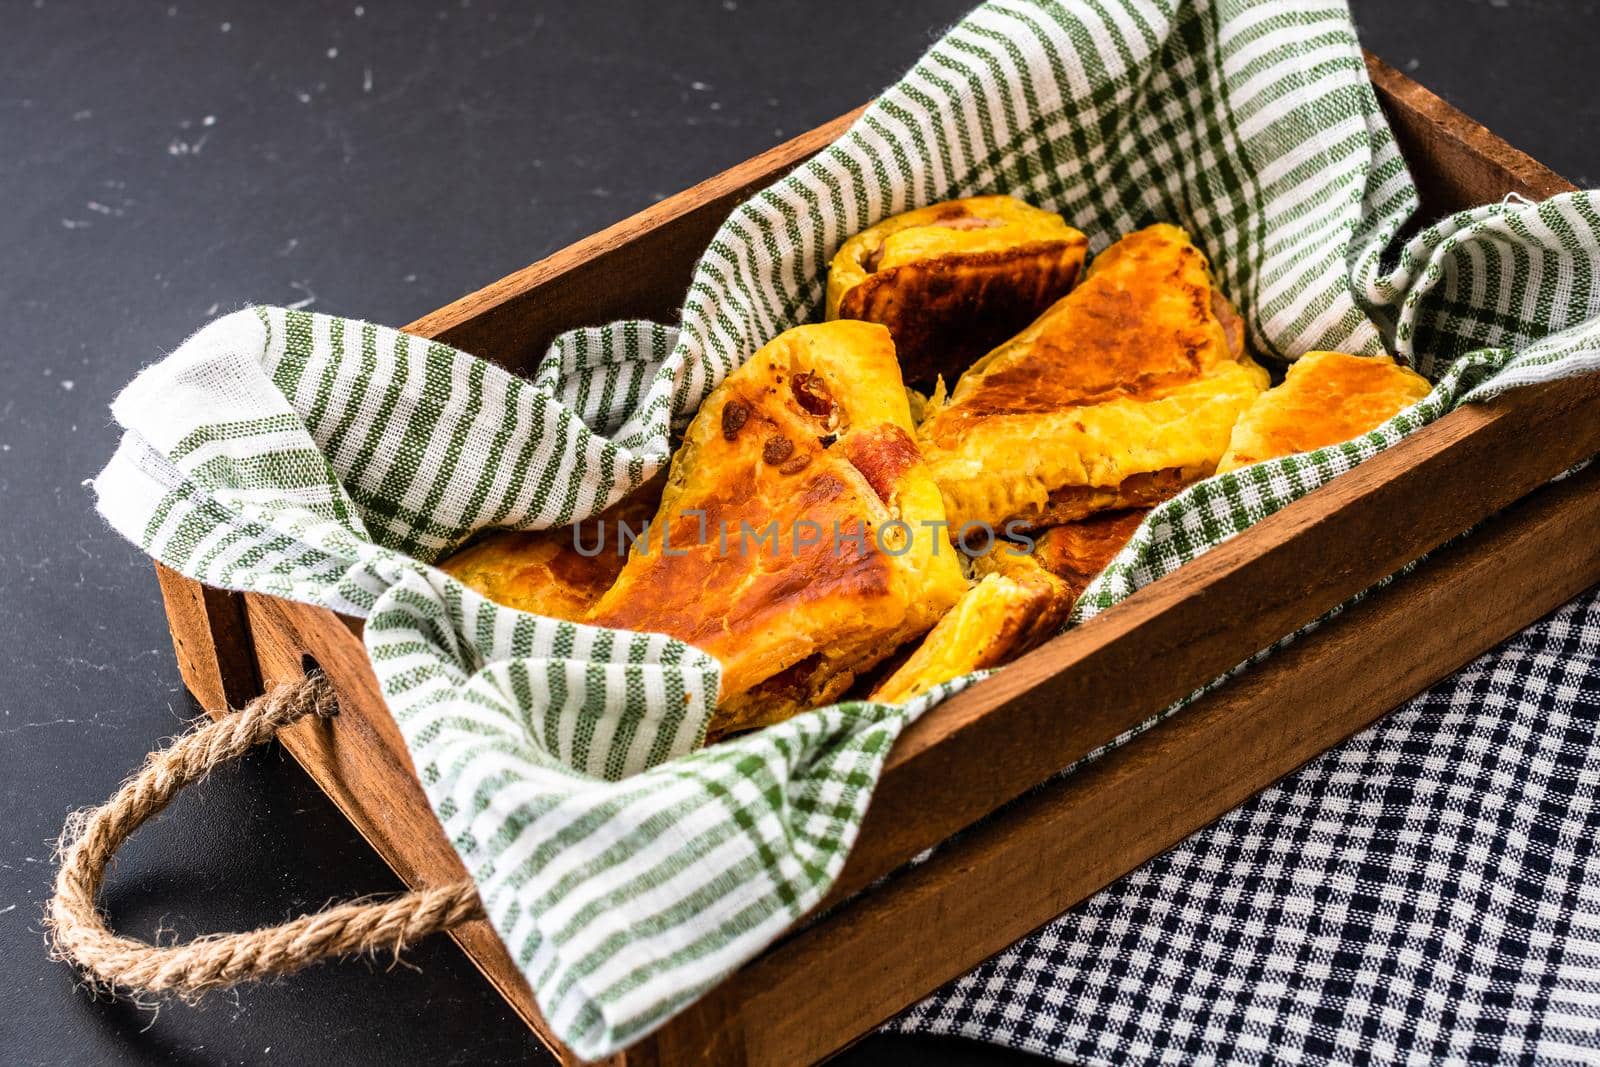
(331, 461)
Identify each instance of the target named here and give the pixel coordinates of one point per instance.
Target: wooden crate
(869, 957)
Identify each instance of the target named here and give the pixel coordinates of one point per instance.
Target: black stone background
(162, 163)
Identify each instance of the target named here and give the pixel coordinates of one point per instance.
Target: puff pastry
(1326, 398)
(1121, 393)
(543, 571)
(1076, 552)
(812, 435)
(1014, 605)
(953, 280)
(802, 534)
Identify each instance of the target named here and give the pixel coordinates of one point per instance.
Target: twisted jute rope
(79, 933)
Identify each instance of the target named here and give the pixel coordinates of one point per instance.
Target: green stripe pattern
(331, 461)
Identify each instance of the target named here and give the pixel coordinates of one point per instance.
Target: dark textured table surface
(166, 162)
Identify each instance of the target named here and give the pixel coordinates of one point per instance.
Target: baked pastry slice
(1014, 605)
(1076, 552)
(1326, 398)
(1120, 394)
(954, 279)
(560, 573)
(803, 540)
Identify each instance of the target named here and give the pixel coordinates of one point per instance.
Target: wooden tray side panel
(211, 639)
(359, 758)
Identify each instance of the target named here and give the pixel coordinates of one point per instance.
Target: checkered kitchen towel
(1429, 892)
(331, 461)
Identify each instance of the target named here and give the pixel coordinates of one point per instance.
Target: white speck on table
(179, 147)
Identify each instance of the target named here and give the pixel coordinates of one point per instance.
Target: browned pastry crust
(1129, 385)
(1326, 398)
(953, 280)
(813, 433)
(1073, 502)
(1014, 605)
(1076, 552)
(543, 571)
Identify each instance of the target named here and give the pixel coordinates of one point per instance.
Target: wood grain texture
(639, 267)
(211, 638)
(826, 985)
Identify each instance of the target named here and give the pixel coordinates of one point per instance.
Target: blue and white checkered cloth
(1428, 892)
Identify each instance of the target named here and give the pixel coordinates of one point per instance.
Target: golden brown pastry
(1014, 605)
(1120, 394)
(543, 571)
(813, 429)
(953, 280)
(1076, 552)
(1326, 398)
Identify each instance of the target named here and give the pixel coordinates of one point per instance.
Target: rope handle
(90, 840)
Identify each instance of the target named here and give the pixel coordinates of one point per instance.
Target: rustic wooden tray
(826, 985)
